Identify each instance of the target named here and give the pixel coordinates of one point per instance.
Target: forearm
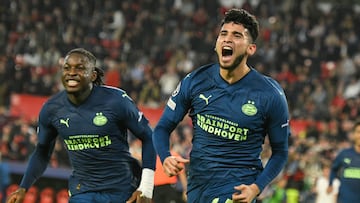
(36, 165)
(273, 167)
(333, 175)
(148, 152)
(161, 140)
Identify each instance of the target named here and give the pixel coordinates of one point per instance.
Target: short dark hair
(92, 59)
(243, 17)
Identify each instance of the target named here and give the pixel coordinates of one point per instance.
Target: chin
(71, 90)
(227, 66)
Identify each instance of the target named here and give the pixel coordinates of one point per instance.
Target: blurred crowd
(145, 47)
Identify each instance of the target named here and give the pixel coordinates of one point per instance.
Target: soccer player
(346, 167)
(232, 107)
(93, 121)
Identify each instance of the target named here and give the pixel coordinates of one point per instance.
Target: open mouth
(227, 51)
(72, 83)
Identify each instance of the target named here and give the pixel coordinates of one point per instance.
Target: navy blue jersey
(95, 135)
(230, 122)
(346, 166)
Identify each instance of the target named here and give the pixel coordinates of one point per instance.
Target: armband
(147, 182)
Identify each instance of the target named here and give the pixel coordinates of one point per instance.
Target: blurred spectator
(5, 179)
(150, 94)
(277, 192)
(321, 184)
(168, 81)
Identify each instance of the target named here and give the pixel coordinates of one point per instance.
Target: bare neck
(357, 148)
(79, 98)
(233, 75)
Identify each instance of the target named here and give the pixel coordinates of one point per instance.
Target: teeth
(72, 82)
(227, 48)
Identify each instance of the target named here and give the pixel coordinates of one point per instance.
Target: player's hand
(17, 196)
(184, 196)
(246, 194)
(138, 198)
(329, 189)
(173, 165)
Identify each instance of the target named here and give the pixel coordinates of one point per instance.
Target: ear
(251, 49)
(93, 75)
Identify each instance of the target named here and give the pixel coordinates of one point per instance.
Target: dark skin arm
(138, 198)
(17, 196)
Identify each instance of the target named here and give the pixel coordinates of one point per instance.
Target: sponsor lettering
(221, 127)
(82, 142)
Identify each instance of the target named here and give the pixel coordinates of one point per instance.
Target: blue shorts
(98, 197)
(220, 192)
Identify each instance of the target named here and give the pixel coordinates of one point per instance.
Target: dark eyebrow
(234, 32)
(237, 32)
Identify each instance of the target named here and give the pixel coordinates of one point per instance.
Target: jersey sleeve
(176, 108)
(39, 159)
(335, 167)
(138, 124)
(278, 131)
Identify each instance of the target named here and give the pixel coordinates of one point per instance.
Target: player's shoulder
(55, 102)
(200, 75)
(111, 94)
(267, 83)
(202, 71)
(57, 98)
(109, 90)
(348, 151)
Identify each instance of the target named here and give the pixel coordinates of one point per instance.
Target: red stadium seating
(62, 196)
(47, 195)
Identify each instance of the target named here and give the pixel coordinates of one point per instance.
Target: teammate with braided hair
(93, 121)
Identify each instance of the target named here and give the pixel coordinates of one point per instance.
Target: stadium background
(145, 47)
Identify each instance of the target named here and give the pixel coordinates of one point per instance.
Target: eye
(223, 33)
(80, 68)
(238, 35)
(65, 67)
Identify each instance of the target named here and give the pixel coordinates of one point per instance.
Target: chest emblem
(206, 99)
(65, 122)
(347, 160)
(249, 108)
(100, 119)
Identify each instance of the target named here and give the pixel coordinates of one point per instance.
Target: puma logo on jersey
(206, 99)
(65, 122)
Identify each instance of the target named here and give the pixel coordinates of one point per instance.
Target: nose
(71, 71)
(227, 37)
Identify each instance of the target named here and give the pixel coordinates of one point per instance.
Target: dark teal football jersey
(95, 134)
(230, 122)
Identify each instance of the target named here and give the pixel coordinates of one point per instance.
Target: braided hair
(92, 59)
